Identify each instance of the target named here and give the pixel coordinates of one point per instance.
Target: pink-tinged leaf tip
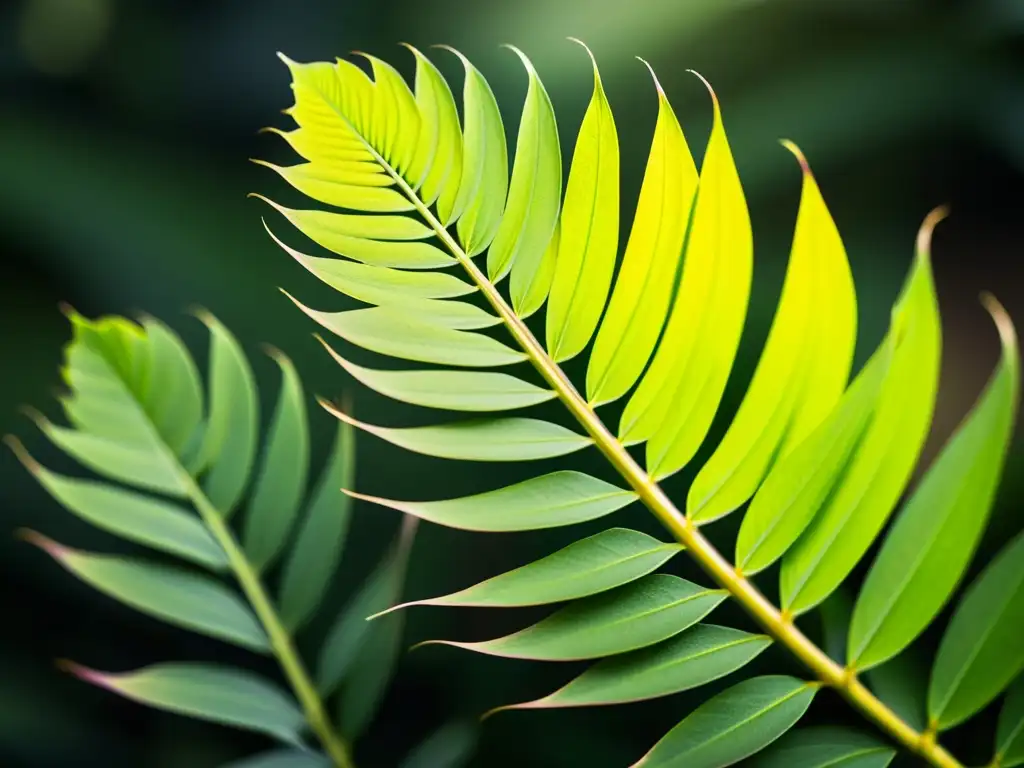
(85, 674)
(657, 83)
(798, 154)
(699, 76)
(57, 551)
(924, 235)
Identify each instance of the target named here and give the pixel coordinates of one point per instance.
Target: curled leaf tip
(34, 415)
(657, 83)
(522, 57)
(699, 76)
(203, 315)
(798, 154)
(22, 454)
(924, 235)
(1007, 333)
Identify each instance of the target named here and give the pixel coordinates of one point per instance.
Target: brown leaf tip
(22, 454)
(1004, 324)
(924, 235)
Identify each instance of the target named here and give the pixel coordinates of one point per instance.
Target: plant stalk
(779, 626)
(280, 640)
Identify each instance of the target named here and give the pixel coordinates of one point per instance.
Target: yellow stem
(280, 640)
(743, 590)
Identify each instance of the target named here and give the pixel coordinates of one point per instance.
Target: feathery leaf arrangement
(816, 462)
(172, 465)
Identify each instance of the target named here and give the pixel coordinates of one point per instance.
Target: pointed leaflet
(402, 120)
(863, 497)
(348, 639)
(389, 332)
(826, 747)
(640, 301)
(451, 390)
(803, 368)
(588, 233)
(677, 398)
(534, 196)
(282, 477)
(931, 544)
(153, 522)
(174, 395)
(512, 439)
(981, 652)
(1010, 731)
(548, 501)
(450, 746)
(171, 594)
(633, 616)
(484, 182)
(440, 132)
(219, 694)
(229, 445)
(689, 660)
(321, 536)
(799, 484)
(586, 567)
(734, 724)
(323, 227)
(310, 180)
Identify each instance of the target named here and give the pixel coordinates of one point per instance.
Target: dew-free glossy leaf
(803, 368)
(678, 395)
(174, 595)
(589, 232)
(586, 567)
(799, 484)
(174, 395)
(342, 190)
(484, 182)
(733, 725)
(322, 227)
(511, 439)
(229, 445)
(643, 289)
(281, 482)
(401, 120)
(1010, 730)
(150, 521)
(548, 501)
(207, 692)
(451, 390)
(863, 497)
(397, 334)
(981, 652)
(689, 660)
(930, 546)
(534, 196)
(321, 536)
(826, 747)
(632, 616)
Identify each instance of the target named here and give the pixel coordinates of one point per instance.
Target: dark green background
(124, 132)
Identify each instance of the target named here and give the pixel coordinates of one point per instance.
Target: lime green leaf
(826, 747)
(321, 536)
(595, 564)
(901, 684)
(803, 368)
(281, 482)
(340, 151)
(440, 137)
(863, 497)
(378, 285)
(344, 190)
(457, 315)
(548, 501)
(229, 446)
(219, 694)
(734, 724)
(689, 660)
(174, 397)
(930, 546)
(589, 231)
(511, 439)
(351, 632)
(643, 290)
(401, 119)
(632, 616)
(981, 652)
(397, 334)
(534, 196)
(677, 398)
(322, 227)
(450, 746)
(1010, 731)
(541, 281)
(156, 523)
(451, 390)
(799, 484)
(283, 758)
(484, 182)
(171, 594)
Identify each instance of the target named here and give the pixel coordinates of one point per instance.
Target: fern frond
(821, 464)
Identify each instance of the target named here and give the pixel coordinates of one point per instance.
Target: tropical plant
(138, 419)
(821, 463)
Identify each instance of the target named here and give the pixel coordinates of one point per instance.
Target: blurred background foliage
(124, 133)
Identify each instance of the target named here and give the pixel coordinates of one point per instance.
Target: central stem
(780, 627)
